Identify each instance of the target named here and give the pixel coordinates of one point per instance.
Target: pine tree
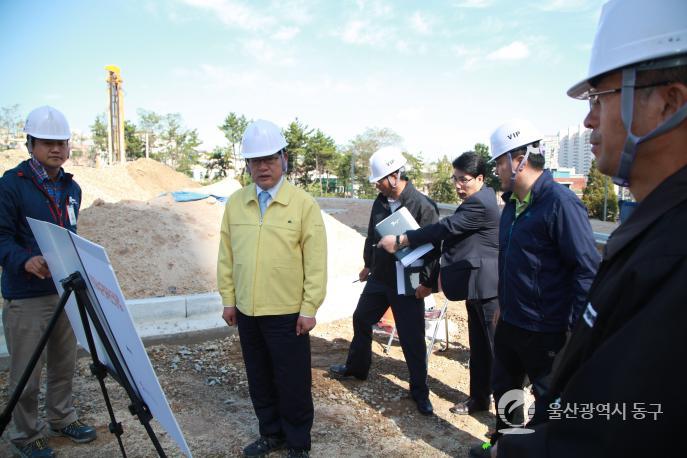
(593, 195)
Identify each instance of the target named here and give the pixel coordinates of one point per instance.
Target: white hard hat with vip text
(385, 161)
(513, 135)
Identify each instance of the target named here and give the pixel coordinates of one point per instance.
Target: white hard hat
(47, 123)
(513, 135)
(385, 161)
(261, 138)
(634, 31)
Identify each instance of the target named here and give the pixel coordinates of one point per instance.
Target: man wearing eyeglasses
(272, 277)
(387, 167)
(628, 349)
(547, 261)
(469, 268)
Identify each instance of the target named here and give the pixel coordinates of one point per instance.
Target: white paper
(67, 253)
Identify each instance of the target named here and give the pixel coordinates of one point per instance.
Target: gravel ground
(206, 388)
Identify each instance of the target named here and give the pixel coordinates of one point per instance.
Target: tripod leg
(14, 399)
(99, 371)
(138, 407)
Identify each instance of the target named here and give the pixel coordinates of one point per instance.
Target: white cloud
(420, 23)
(515, 51)
(264, 52)
(474, 3)
(286, 33)
(564, 6)
(234, 14)
(361, 32)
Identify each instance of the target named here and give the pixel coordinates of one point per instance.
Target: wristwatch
(398, 241)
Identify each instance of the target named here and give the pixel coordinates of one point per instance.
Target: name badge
(71, 212)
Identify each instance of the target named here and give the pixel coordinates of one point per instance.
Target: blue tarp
(187, 196)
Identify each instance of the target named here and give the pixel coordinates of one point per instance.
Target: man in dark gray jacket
(380, 292)
(469, 268)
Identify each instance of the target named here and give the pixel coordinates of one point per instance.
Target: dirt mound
(162, 247)
(155, 177)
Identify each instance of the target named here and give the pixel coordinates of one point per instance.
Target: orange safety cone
(387, 322)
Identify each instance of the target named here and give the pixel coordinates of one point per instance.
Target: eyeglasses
(269, 160)
(593, 96)
(461, 180)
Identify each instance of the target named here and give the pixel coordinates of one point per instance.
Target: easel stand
(75, 284)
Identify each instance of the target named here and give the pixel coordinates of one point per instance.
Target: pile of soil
(162, 247)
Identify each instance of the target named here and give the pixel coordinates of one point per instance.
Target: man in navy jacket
(547, 262)
(38, 188)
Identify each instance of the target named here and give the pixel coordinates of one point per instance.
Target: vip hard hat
(47, 123)
(635, 31)
(635, 36)
(512, 135)
(261, 138)
(385, 161)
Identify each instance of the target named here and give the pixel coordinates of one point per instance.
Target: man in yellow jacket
(272, 276)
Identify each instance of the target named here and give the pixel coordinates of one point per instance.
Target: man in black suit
(469, 268)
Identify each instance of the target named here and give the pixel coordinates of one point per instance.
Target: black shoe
(424, 406)
(264, 445)
(77, 431)
(36, 449)
(341, 371)
(297, 453)
(482, 450)
(469, 406)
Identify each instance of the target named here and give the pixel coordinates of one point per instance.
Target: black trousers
(279, 377)
(519, 353)
(409, 315)
(482, 317)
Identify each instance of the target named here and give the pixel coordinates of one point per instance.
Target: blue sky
(442, 74)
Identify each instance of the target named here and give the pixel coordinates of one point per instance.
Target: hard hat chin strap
(632, 141)
(514, 172)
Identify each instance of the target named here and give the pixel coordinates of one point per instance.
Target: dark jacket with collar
(547, 259)
(20, 197)
(630, 346)
(470, 249)
(382, 265)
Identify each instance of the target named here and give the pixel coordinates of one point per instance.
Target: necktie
(263, 198)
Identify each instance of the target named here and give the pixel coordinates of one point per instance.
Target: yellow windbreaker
(277, 265)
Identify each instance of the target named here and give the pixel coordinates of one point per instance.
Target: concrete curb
(198, 316)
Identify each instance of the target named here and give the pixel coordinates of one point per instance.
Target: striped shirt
(55, 189)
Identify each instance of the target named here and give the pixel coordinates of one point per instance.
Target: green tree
(361, 148)
(134, 145)
(233, 127)
(442, 189)
(150, 123)
(99, 133)
(296, 135)
(414, 169)
(220, 161)
(10, 121)
(178, 145)
(317, 156)
(593, 195)
(492, 180)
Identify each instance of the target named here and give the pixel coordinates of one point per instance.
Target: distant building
(568, 178)
(550, 145)
(574, 149)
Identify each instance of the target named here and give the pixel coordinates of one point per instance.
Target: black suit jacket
(470, 250)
